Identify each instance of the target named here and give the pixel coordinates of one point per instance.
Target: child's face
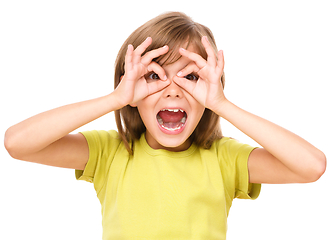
(166, 129)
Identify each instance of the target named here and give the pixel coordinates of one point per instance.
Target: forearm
(37, 132)
(293, 151)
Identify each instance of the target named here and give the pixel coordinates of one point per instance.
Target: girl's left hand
(208, 89)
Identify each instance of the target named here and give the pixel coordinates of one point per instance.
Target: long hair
(174, 29)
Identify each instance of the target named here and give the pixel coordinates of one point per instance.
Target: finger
(128, 58)
(200, 62)
(189, 86)
(141, 48)
(221, 62)
(155, 67)
(210, 52)
(191, 67)
(148, 57)
(156, 86)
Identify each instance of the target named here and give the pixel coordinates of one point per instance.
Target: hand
(133, 86)
(208, 89)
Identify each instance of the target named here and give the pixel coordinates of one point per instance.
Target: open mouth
(171, 120)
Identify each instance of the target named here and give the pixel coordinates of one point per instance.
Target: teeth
(171, 129)
(172, 110)
(160, 121)
(166, 125)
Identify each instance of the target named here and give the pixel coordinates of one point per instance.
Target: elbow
(322, 166)
(10, 144)
(319, 167)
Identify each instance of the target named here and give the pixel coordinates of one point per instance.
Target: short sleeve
(244, 189)
(102, 147)
(234, 164)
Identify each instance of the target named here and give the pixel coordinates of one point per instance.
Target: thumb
(187, 85)
(157, 86)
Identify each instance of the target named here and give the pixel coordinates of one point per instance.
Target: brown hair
(174, 29)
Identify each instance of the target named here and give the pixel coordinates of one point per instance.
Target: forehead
(176, 66)
(176, 57)
(180, 63)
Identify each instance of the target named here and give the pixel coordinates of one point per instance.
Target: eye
(192, 77)
(152, 76)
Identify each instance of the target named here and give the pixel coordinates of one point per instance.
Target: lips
(172, 120)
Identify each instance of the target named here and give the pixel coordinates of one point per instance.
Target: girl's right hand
(134, 86)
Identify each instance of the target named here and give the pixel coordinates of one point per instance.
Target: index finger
(149, 56)
(141, 48)
(200, 62)
(210, 52)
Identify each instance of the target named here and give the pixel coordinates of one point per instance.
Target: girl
(168, 173)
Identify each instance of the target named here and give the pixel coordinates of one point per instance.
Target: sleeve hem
(88, 173)
(80, 176)
(248, 190)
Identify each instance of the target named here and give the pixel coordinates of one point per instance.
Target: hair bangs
(178, 36)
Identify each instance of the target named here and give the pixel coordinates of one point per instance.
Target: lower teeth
(162, 124)
(160, 121)
(171, 129)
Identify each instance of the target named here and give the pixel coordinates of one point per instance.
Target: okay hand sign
(133, 86)
(208, 89)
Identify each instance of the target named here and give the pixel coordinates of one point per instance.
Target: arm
(284, 158)
(45, 138)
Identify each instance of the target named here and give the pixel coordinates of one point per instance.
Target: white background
(280, 64)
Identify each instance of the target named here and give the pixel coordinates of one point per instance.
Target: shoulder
(103, 146)
(101, 136)
(233, 157)
(102, 141)
(102, 133)
(231, 150)
(228, 144)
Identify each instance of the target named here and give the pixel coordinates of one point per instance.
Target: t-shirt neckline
(155, 152)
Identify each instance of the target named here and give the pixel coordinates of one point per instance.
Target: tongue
(172, 117)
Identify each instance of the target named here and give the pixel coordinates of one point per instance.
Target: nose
(173, 90)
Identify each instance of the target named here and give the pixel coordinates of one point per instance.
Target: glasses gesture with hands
(207, 89)
(133, 86)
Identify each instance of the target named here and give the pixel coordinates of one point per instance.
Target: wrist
(114, 101)
(220, 108)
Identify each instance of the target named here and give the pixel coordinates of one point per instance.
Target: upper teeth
(172, 110)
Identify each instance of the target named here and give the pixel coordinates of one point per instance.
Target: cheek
(193, 102)
(147, 102)
(197, 108)
(146, 108)
(200, 113)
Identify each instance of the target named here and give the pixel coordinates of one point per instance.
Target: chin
(175, 145)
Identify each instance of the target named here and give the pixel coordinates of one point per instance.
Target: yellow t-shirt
(157, 194)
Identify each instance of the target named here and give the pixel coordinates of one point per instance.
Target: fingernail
(182, 49)
(165, 78)
(165, 46)
(179, 74)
